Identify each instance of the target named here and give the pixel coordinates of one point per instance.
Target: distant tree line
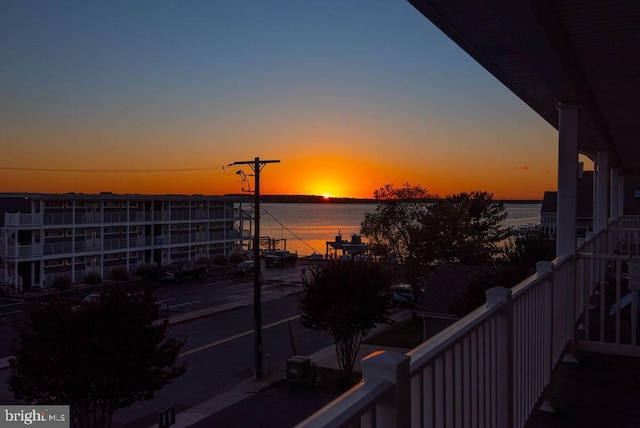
(306, 199)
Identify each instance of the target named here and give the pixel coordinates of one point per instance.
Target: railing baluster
(467, 381)
(618, 297)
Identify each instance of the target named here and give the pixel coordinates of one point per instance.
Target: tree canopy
(421, 230)
(519, 261)
(392, 228)
(96, 357)
(346, 299)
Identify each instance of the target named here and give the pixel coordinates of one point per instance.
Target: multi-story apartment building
(43, 236)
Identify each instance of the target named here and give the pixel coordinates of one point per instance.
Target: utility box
(298, 370)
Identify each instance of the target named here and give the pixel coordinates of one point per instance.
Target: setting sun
(326, 196)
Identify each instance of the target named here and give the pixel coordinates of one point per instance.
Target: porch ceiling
(551, 51)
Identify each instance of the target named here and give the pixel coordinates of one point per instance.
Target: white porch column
(616, 191)
(566, 234)
(621, 195)
(601, 186)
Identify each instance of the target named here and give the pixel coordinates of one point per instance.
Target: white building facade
(44, 236)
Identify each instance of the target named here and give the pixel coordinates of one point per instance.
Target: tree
(521, 256)
(393, 229)
(396, 219)
(96, 357)
(465, 228)
(421, 230)
(346, 299)
(529, 248)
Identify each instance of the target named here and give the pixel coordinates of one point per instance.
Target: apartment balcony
(509, 360)
(22, 220)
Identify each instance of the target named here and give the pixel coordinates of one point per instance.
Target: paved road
(219, 354)
(219, 348)
(217, 289)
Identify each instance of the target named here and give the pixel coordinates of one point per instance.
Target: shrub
(144, 270)
(237, 258)
(204, 261)
(62, 282)
(93, 278)
(220, 259)
(120, 274)
(148, 271)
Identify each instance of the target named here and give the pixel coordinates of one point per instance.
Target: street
(219, 348)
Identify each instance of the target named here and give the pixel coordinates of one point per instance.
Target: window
(57, 262)
(56, 233)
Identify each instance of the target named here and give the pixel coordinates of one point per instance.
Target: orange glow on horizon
(326, 176)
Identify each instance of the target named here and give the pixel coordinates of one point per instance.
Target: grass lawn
(403, 334)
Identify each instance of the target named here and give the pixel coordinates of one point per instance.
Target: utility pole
(257, 165)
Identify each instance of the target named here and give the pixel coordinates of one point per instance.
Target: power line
(290, 231)
(109, 171)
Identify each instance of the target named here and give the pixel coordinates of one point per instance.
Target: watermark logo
(57, 416)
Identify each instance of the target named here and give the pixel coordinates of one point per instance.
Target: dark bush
(148, 271)
(62, 282)
(237, 258)
(144, 269)
(220, 259)
(93, 278)
(120, 274)
(204, 261)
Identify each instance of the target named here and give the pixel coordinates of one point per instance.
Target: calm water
(307, 227)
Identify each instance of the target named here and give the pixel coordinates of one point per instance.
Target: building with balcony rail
(584, 210)
(576, 64)
(44, 236)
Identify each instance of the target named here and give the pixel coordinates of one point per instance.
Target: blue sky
(349, 95)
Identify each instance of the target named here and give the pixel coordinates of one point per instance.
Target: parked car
(94, 298)
(243, 268)
(180, 271)
(402, 294)
(281, 258)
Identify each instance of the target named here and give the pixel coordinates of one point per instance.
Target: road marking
(242, 285)
(235, 336)
(218, 283)
(11, 304)
(184, 304)
(11, 313)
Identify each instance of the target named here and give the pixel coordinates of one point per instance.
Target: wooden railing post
(504, 355)
(393, 367)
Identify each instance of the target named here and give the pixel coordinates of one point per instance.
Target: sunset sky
(157, 96)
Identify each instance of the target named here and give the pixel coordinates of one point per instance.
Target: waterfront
(307, 227)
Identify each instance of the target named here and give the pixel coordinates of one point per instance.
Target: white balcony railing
(488, 368)
(491, 367)
(17, 219)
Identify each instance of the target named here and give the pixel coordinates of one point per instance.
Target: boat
(353, 247)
